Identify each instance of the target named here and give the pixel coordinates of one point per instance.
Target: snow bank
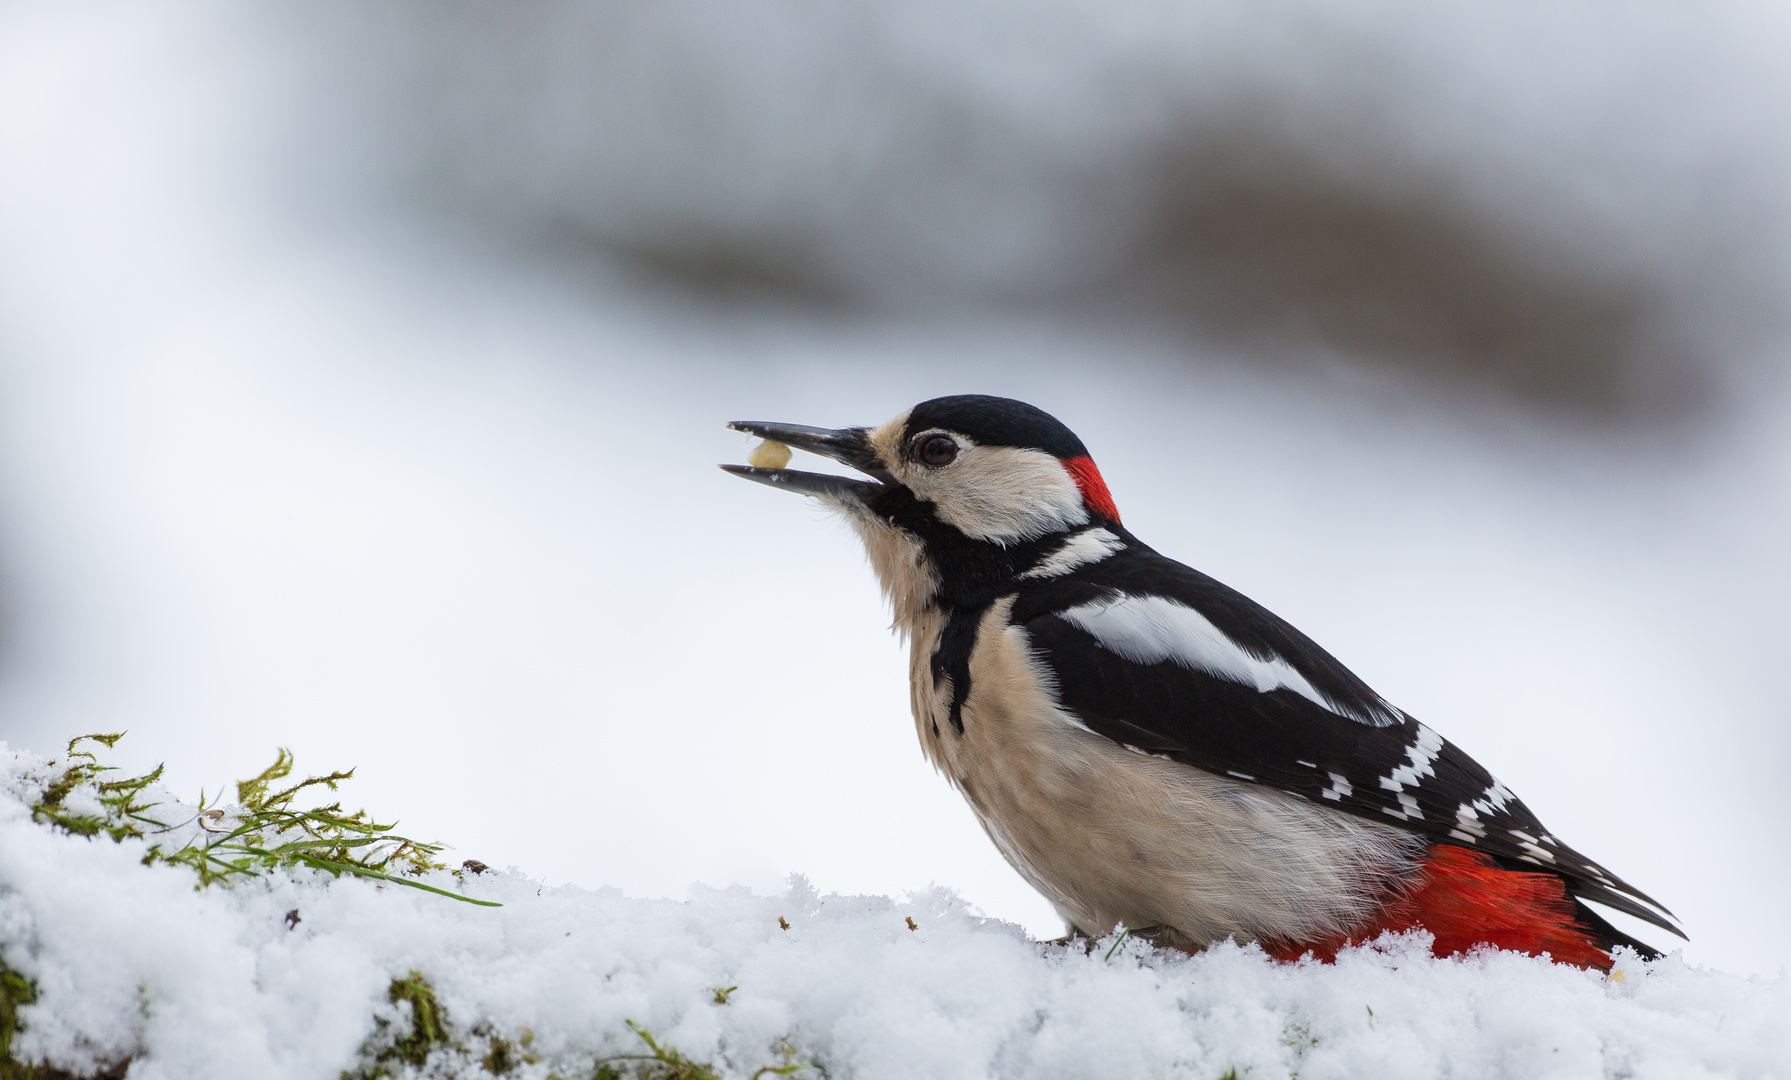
(132, 962)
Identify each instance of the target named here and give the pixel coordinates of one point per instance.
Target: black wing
(1275, 709)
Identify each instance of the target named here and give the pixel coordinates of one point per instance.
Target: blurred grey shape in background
(1573, 205)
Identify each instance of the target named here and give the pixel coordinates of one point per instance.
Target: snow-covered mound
(296, 973)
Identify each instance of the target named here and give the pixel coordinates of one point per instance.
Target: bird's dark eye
(938, 450)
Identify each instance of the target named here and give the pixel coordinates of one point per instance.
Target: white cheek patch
(1081, 549)
(1151, 630)
(1002, 494)
(886, 441)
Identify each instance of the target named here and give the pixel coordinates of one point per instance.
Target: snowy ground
(132, 962)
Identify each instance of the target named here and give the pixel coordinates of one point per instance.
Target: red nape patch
(1465, 899)
(1093, 488)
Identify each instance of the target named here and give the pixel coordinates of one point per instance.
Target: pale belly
(1115, 837)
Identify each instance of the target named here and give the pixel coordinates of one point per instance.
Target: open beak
(850, 446)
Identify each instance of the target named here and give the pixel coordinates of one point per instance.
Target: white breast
(1113, 836)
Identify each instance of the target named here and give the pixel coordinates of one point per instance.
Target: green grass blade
(361, 871)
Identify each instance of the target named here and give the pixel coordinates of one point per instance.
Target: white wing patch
(1152, 629)
(1088, 546)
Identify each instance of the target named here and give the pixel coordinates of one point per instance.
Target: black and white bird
(1149, 748)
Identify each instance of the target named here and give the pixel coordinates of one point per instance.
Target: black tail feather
(1587, 890)
(1609, 937)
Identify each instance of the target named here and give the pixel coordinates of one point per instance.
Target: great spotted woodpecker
(1148, 747)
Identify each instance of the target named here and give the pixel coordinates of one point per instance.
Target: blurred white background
(363, 373)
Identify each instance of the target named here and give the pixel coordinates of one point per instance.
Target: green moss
(501, 1057)
(422, 1042)
(661, 1062)
(428, 1024)
(266, 835)
(123, 813)
(16, 991)
(664, 1063)
(388, 1050)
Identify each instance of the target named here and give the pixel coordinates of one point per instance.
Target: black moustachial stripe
(965, 608)
(951, 659)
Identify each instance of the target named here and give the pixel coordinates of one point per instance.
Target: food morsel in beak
(769, 454)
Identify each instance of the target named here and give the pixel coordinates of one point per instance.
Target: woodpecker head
(966, 493)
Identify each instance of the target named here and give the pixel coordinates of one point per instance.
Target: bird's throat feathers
(900, 562)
